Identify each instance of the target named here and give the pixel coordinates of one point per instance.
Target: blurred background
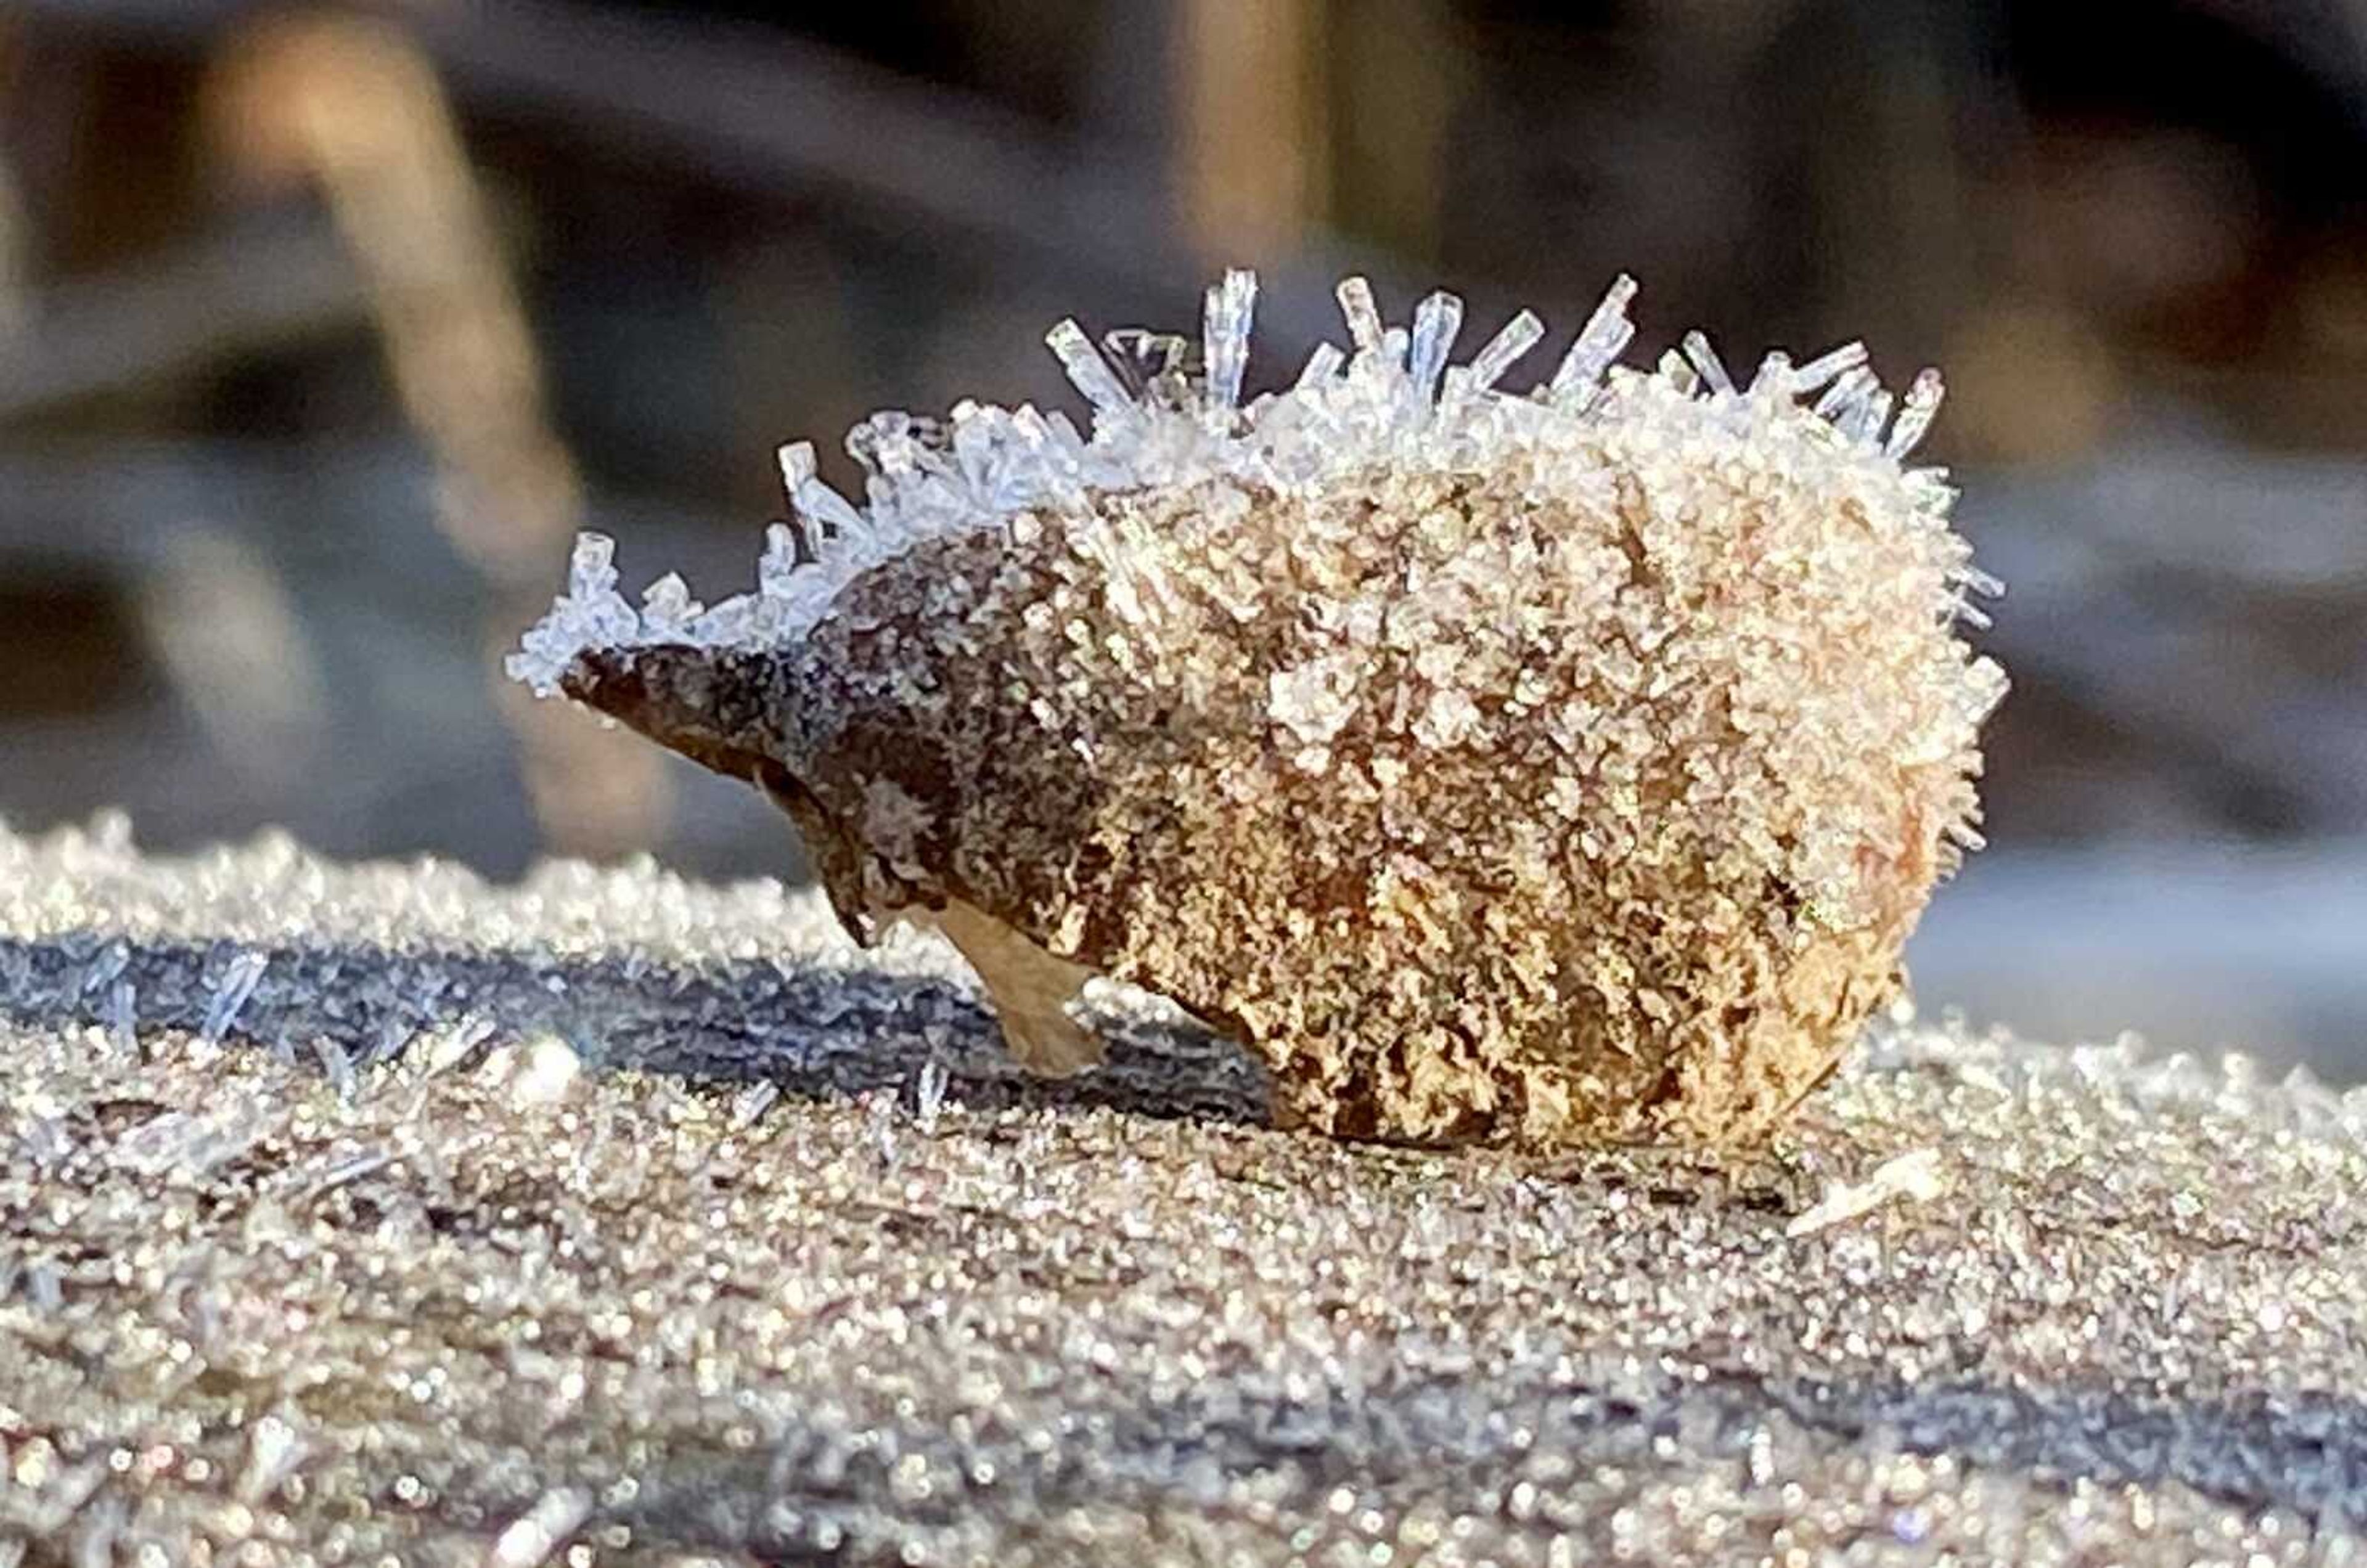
(322, 330)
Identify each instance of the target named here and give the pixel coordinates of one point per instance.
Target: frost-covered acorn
(1563, 764)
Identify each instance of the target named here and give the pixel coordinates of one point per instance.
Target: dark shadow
(815, 1033)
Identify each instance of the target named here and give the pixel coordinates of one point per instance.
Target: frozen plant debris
(1915, 1177)
(1568, 763)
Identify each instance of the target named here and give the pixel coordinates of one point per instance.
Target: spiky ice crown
(1391, 400)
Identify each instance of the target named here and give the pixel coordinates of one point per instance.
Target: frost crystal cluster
(1563, 763)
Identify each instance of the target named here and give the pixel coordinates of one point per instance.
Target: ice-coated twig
(1916, 1176)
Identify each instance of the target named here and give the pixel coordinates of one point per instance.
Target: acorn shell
(1569, 767)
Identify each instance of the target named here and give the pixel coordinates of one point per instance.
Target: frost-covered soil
(374, 1215)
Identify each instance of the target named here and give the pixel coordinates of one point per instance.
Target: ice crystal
(238, 983)
(929, 1094)
(1568, 761)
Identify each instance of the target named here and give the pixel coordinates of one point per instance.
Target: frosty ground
(374, 1214)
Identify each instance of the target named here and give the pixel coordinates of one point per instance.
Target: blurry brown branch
(349, 105)
(1253, 138)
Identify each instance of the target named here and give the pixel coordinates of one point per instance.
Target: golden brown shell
(1587, 788)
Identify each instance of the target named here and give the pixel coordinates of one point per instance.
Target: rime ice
(1563, 764)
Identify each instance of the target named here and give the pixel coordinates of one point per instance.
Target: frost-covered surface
(800, 1270)
(1164, 417)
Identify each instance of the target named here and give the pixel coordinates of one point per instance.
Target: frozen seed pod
(1562, 764)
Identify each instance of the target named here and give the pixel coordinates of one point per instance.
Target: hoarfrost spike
(1978, 582)
(796, 459)
(1915, 415)
(1826, 367)
(1775, 377)
(1436, 322)
(1226, 335)
(1706, 360)
(782, 555)
(1143, 358)
(1872, 415)
(1363, 317)
(1515, 338)
(1599, 342)
(591, 570)
(1844, 395)
(1088, 371)
(1678, 371)
(1322, 366)
(810, 496)
(667, 607)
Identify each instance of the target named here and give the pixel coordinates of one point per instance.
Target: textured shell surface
(1557, 765)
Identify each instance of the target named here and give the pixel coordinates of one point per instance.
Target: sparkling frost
(987, 467)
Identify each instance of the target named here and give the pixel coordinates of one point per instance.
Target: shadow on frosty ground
(812, 1033)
